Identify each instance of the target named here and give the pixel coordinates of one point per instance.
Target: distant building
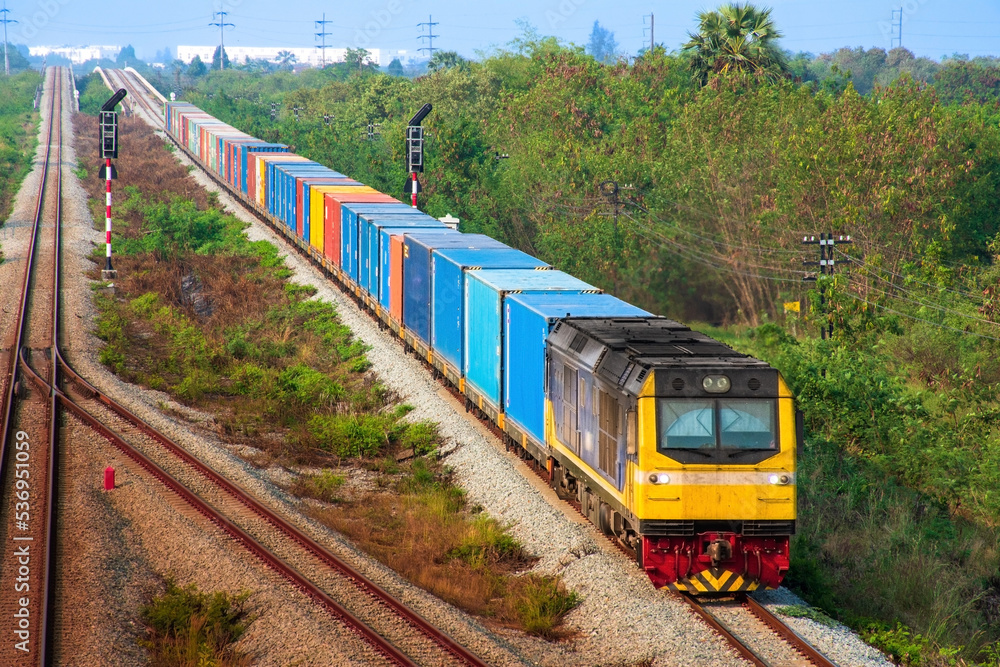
(77, 54)
(309, 55)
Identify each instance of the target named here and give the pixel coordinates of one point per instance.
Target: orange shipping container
(396, 248)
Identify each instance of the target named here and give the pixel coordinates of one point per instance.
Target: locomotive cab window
(720, 430)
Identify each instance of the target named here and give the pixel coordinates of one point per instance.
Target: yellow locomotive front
(715, 476)
(695, 470)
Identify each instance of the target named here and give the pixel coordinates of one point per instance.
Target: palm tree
(285, 59)
(737, 38)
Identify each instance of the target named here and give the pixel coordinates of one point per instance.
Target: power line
(323, 34)
(958, 292)
(430, 23)
(920, 319)
(222, 27)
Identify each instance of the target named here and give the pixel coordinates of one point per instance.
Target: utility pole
(222, 27)
(5, 21)
(323, 34)
(429, 36)
(898, 26)
(826, 264)
(652, 38)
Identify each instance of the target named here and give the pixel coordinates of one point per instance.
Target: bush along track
(209, 317)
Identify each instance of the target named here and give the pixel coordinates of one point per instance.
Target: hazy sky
(930, 27)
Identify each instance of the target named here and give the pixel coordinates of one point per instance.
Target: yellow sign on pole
(792, 306)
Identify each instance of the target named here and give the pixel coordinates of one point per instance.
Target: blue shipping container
(449, 266)
(349, 241)
(528, 319)
(484, 296)
(417, 309)
(369, 226)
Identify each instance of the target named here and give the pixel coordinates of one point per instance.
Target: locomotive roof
(619, 345)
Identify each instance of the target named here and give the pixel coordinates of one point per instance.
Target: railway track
(395, 631)
(31, 418)
(769, 621)
(809, 655)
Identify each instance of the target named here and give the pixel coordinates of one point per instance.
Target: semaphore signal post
(109, 151)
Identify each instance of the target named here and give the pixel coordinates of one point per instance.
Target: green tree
(196, 68)
(395, 68)
(285, 60)
(602, 44)
(18, 62)
(220, 62)
(442, 60)
(737, 38)
(357, 59)
(126, 57)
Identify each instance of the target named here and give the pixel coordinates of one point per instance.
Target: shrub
(187, 627)
(348, 436)
(487, 542)
(540, 603)
(421, 437)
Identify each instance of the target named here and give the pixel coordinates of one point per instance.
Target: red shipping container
(331, 222)
(396, 248)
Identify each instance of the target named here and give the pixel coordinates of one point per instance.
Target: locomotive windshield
(717, 429)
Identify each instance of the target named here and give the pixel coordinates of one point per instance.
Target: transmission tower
(221, 23)
(5, 21)
(898, 27)
(323, 34)
(429, 36)
(652, 36)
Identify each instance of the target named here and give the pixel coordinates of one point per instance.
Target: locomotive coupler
(719, 551)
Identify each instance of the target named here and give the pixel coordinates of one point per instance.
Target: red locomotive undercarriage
(715, 562)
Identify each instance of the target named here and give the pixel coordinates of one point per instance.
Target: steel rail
(366, 585)
(47, 651)
(15, 350)
(732, 639)
(793, 638)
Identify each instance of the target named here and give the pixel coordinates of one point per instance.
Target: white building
(308, 55)
(77, 54)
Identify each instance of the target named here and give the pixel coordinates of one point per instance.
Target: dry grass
(423, 530)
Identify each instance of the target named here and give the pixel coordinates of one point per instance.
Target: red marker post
(109, 479)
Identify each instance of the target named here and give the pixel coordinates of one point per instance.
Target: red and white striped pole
(413, 196)
(107, 222)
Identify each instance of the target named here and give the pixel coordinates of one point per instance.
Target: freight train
(673, 444)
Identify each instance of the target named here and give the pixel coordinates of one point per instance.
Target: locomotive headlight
(716, 384)
(659, 478)
(780, 479)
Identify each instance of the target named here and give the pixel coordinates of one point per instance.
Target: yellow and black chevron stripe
(714, 580)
